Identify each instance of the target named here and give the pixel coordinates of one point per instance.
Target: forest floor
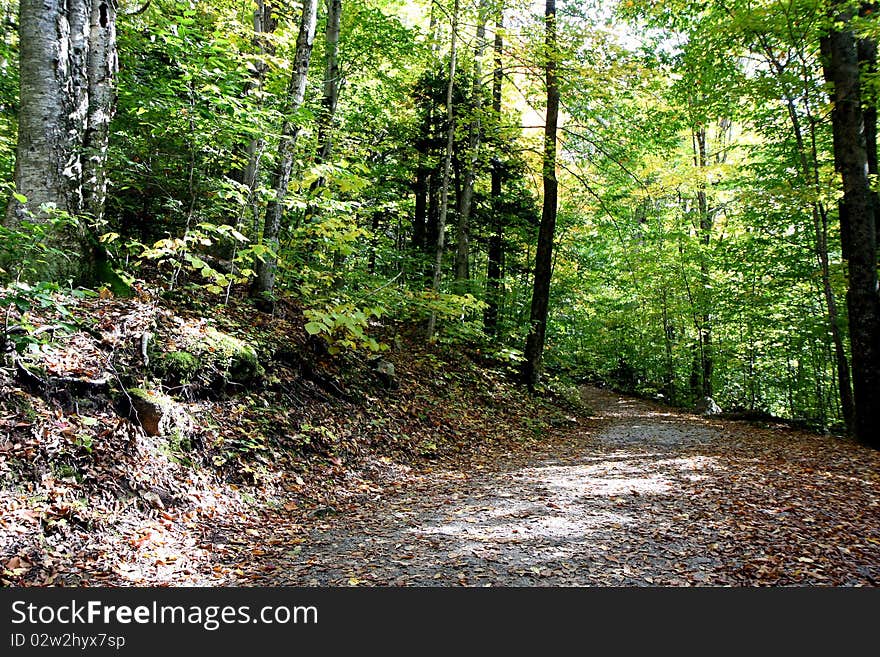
(318, 474)
(642, 495)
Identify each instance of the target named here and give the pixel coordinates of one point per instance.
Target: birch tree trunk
(264, 24)
(264, 283)
(68, 65)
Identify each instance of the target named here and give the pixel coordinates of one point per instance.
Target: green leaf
(313, 328)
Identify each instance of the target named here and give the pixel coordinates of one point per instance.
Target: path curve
(645, 496)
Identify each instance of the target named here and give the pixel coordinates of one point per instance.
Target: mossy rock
(206, 356)
(177, 367)
(157, 413)
(234, 359)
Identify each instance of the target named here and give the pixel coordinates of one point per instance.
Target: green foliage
(343, 326)
(663, 254)
(193, 251)
(459, 317)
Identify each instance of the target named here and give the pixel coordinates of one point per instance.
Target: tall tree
(332, 80)
(475, 127)
(447, 168)
(496, 240)
(68, 66)
(264, 25)
(857, 219)
(264, 282)
(544, 255)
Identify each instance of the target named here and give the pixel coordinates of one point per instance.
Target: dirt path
(644, 496)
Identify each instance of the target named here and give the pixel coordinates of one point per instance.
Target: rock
(177, 367)
(707, 406)
(157, 413)
(384, 371)
(203, 355)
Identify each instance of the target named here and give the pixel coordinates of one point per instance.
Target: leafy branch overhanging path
(642, 496)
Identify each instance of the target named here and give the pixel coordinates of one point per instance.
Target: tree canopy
(712, 180)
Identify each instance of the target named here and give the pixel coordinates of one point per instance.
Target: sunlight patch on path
(552, 503)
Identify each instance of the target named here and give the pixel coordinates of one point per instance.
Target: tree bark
(264, 282)
(68, 65)
(867, 55)
(102, 67)
(332, 81)
(534, 350)
(264, 23)
(447, 170)
(462, 250)
(420, 215)
(495, 253)
(701, 161)
(841, 69)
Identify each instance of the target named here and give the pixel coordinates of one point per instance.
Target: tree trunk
(264, 23)
(420, 214)
(462, 250)
(103, 66)
(329, 101)
(701, 161)
(447, 171)
(668, 340)
(68, 65)
(867, 55)
(810, 169)
(332, 81)
(496, 241)
(264, 283)
(841, 68)
(544, 256)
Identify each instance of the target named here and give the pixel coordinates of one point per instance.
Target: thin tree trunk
(858, 223)
(496, 241)
(420, 215)
(705, 221)
(475, 128)
(447, 170)
(264, 283)
(103, 66)
(544, 256)
(264, 23)
(668, 339)
(820, 228)
(332, 81)
(329, 101)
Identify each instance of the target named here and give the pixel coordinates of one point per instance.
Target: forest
(261, 239)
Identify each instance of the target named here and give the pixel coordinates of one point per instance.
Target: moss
(178, 366)
(206, 355)
(106, 274)
(235, 358)
(157, 413)
(151, 397)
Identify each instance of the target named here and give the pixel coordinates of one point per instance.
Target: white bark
(103, 66)
(68, 74)
(296, 93)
